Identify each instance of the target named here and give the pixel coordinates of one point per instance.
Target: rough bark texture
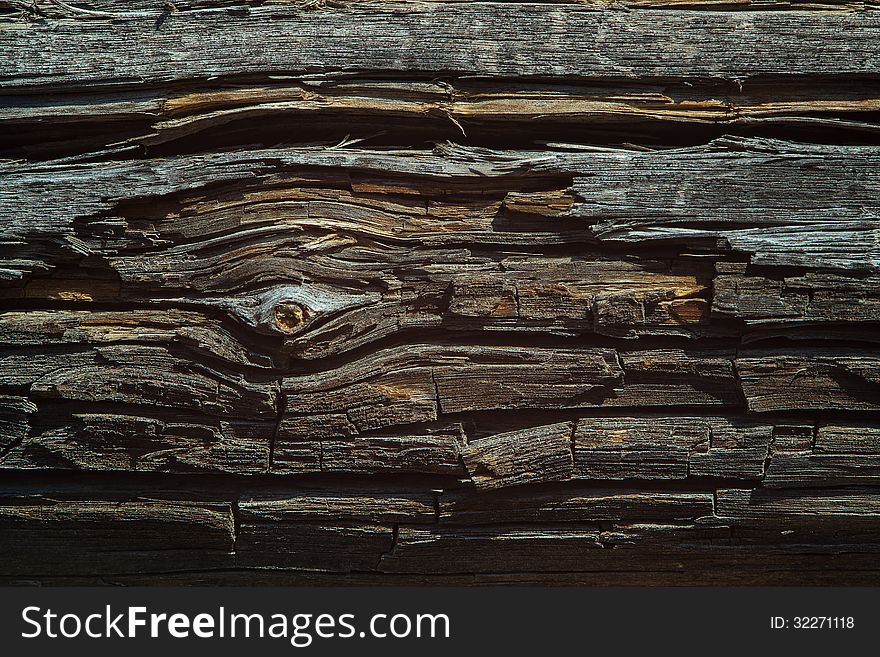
(439, 292)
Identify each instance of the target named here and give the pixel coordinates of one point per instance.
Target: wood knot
(290, 316)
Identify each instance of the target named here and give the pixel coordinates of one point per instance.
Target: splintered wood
(447, 292)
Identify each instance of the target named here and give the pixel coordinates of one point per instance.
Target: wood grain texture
(464, 38)
(439, 293)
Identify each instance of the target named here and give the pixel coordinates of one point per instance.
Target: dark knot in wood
(291, 317)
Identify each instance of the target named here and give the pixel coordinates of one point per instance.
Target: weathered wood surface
(439, 292)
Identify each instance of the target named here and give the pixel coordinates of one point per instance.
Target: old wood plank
(816, 507)
(520, 457)
(816, 380)
(376, 504)
(308, 448)
(133, 374)
(811, 298)
(554, 504)
(88, 536)
(633, 547)
(130, 443)
(465, 38)
(793, 469)
(576, 547)
(415, 383)
(311, 546)
(670, 448)
(193, 331)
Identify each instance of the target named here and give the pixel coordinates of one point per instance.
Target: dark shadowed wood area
(367, 292)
